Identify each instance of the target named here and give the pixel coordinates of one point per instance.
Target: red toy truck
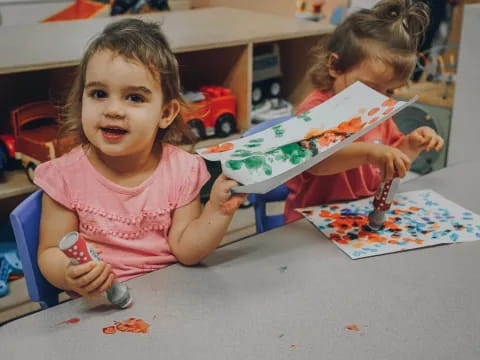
(212, 112)
(35, 128)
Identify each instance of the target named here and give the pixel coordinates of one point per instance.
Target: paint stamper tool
(76, 248)
(381, 203)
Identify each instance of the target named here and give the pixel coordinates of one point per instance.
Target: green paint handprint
(305, 116)
(253, 143)
(256, 163)
(242, 153)
(294, 153)
(278, 130)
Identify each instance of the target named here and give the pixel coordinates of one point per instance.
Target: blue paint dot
(453, 236)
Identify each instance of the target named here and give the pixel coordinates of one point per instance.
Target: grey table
(421, 304)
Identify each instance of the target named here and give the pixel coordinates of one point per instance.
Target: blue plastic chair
(264, 222)
(25, 219)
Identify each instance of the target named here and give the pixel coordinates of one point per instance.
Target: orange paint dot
(374, 120)
(389, 102)
(328, 138)
(388, 111)
(362, 111)
(352, 327)
(312, 133)
(373, 111)
(109, 330)
(218, 148)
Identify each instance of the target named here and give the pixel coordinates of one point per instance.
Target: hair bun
(414, 16)
(389, 10)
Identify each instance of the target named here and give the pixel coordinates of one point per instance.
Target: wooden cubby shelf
(214, 46)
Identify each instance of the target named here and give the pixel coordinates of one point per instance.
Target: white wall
(465, 129)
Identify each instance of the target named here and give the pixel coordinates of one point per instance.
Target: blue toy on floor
(9, 261)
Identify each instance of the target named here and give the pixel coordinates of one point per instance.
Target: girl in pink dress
(126, 188)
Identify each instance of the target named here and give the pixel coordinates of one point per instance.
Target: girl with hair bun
(377, 47)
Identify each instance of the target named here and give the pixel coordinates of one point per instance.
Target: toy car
(212, 111)
(266, 72)
(270, 109)
(35, 128)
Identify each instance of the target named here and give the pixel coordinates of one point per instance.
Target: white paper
(416, 219)
(264, 160)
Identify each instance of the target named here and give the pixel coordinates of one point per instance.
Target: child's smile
(113, 133)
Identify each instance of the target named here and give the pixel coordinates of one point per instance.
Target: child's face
(373, 73)
(122, 106)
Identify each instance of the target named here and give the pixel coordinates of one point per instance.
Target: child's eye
(136, 98)
(98, 94)
(390, 92)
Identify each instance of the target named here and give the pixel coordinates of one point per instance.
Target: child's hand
(389, 160)
(89, 278)
(221, 197)
(424, 138)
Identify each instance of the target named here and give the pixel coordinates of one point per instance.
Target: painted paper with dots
(264, 160)
(416, 219)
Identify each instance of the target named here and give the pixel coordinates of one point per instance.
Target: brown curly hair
(393, 25)
(139, 41)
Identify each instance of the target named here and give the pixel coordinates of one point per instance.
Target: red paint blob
(70, 321)
(132, 325)
(352, 327)
(109, 330)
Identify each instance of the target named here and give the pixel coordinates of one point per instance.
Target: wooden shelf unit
(214, 46)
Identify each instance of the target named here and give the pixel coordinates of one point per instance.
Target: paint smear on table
(132, 325)
(74, 320)
(352, 327)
